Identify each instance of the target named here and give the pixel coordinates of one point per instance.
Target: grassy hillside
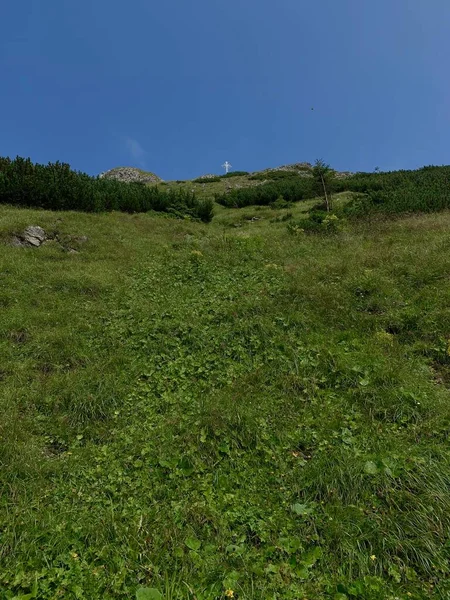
(210, 186)
(237, 409)
(208, 189)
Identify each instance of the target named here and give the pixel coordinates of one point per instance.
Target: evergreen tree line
(57, 187)
(423, 190)
(426, 190)
(292, 189)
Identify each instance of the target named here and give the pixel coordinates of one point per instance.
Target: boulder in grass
(33, 236)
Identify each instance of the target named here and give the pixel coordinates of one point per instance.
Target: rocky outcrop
(33, 236)
(130, 175)
(303, 169)
(304, 166)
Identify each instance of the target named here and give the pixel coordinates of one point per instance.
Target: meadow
(240, 409)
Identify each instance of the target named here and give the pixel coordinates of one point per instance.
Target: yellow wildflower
(373, 557)
(229, 593)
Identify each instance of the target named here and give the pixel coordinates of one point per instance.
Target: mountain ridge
(132, 174)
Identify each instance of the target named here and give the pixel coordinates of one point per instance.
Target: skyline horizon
(95, 86)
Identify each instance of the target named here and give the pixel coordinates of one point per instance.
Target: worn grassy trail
(210, 410)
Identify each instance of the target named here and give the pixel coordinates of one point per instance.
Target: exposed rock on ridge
(130, 175)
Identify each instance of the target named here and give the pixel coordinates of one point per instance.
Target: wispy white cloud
(136, 151)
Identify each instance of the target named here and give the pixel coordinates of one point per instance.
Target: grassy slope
(200, 408)
(208, 190)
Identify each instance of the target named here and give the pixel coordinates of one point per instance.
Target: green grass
(209, 190)
(203, 408)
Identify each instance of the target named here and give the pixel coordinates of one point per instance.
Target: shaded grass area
(206, 409)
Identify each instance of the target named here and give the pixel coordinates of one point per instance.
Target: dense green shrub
(219, 177)
(292, 190)
(234, 174)
(57, 187)
(280, 203)
(205, 210)
(423, 190)
(317, 222)
(206, 179)
(274, 175)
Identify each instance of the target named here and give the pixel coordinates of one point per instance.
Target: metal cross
(226, 166)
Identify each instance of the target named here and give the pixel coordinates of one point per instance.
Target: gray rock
(34, 235)
(207, 176)
(130, 175)
(17, 242)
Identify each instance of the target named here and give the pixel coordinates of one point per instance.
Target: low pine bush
(57, 187)
(317, 222)
(423, 190)
(291, 189)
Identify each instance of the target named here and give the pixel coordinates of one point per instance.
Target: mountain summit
(131, 174)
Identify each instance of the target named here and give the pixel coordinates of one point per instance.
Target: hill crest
(130, 174)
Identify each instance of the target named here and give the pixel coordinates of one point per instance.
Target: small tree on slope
(324, 176)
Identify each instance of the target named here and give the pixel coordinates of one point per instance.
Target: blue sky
(179, 86)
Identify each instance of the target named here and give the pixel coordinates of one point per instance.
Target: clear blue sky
(180, 86)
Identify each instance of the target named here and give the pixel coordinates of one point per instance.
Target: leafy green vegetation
(292, 189)
(207, 179)
(57, 187)
(318, 221)
(215, 179)
(274, 175)
(219, 411)
(232, 174)
(425, 190)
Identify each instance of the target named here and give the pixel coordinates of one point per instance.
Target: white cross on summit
(226, 166)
